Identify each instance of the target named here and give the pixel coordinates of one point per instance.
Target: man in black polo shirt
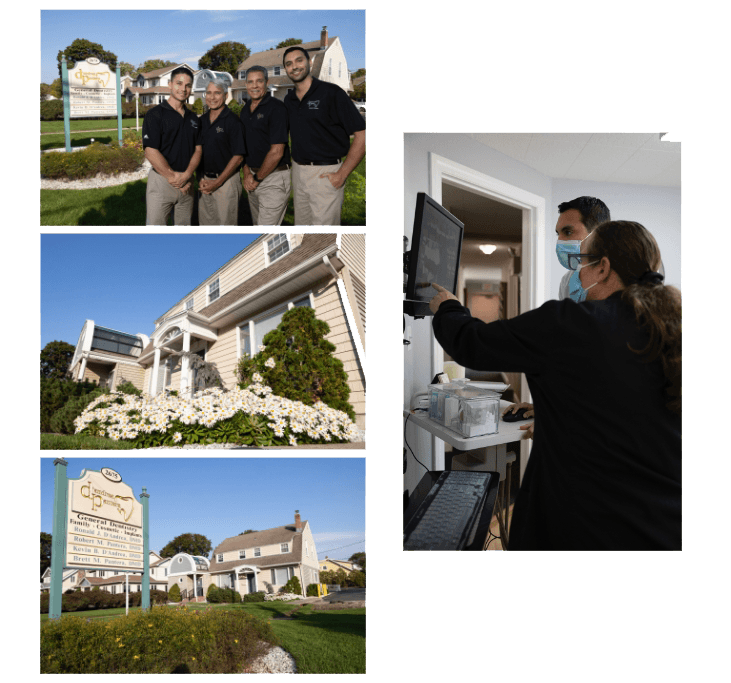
(223, 151)
(321, 120)
(266, 172)
(171, 140)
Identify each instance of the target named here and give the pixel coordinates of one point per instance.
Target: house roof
(311, 244)
(281, 534)
(165, 69)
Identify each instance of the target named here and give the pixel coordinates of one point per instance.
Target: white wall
(464, 150)
(657, 208)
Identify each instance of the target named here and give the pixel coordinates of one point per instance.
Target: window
(330, 67)
(340, 69)
(307, 549)
(189, 304)
(73, 579)
(242, 554)
(245, 338)
(277, 70)
(101, 572)
(251, 333)
(281, 575)
(324, 567)
(277, 246)
(257, 552)
(284, 547)
(166, 572)
(219, 558)
(213, 292)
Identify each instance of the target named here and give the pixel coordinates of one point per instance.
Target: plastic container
(467, 410)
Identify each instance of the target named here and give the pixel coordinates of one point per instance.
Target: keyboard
(448, 517)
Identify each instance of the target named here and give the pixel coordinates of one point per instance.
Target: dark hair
(292, 48)
(593, 211)
(257, 68)
(635, 257)
(182, 70)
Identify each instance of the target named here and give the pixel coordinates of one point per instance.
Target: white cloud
(327, 536)
(218, 36)
(168, 55)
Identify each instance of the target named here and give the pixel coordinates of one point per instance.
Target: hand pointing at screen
(442, 296)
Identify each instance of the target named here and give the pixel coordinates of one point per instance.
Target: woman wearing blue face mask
(605, 376)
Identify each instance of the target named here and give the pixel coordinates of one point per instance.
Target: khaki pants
(221, 207)
(316, 201)
(268, 202)
(161, 197)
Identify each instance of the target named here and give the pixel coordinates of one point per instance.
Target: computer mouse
(516, 416)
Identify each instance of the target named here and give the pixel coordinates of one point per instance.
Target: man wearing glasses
(223, 151)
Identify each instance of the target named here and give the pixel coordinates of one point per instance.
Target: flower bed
(251, 416)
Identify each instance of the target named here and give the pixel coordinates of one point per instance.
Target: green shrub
(254, 597)
(356, 579)
(212, 594)
(55, 393)
(312, 590)
(128, 388)
(62, 421)
(304, 368)
(155, 641)
(353, 212)
(174, 593)
(235, 107)
(96, 158)
(51, 110)
(293, 586)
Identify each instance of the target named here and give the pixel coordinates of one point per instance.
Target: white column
(155, 370)
(82, 369)
(236, 581)
(185, 365)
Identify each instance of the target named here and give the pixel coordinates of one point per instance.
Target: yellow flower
(136, 657)
(160, 641)
(149, 625)
(235, 641)
(118, 639)
(192, 636)
(121, 645)
(193, 658)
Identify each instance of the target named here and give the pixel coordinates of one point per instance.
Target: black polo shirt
(222, 139)
(322, 122)
(173, 135)
(264, 127)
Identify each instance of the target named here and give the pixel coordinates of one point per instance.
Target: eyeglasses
(575, 260)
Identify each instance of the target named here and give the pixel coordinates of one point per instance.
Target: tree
(358, 74)
(56, 89)
(288, 42)
(45, 91)
(152, 64)
(56, 358)
(82, 49)
(46, 540)
(174, 593)
(248, 531)
(192, 544)
(127, 68)
(359, 92)
(359, 559)
(225, 56)
(304, 368)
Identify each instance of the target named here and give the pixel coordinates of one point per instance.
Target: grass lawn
(330, 641)
(75, 124)
(53, 442)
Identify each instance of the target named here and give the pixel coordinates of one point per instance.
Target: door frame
(533, 270)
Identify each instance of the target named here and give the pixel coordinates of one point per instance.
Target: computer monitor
(436, 244)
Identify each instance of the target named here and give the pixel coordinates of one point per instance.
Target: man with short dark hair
(576, 219)
(266, 171)
(223, 151)
(321, 120)
(172, 144)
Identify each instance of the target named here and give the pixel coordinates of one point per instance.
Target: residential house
(228, 314)
(327, 62)
(153, 86)
(328, 565)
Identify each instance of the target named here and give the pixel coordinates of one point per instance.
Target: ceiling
(631, 158)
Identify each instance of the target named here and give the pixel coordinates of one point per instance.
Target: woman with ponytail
(604, 371)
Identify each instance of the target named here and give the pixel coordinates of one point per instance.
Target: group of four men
(319, 116)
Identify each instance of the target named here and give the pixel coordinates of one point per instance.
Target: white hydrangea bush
(251, 416)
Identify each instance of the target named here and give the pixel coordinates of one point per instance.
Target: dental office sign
(104, 526)
(92, 89)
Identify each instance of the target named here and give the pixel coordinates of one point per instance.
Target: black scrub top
(322, 122)
(173, 135)
(605, 468)
(222, 139)
(264, 127)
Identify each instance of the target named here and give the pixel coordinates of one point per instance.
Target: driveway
(346, 595)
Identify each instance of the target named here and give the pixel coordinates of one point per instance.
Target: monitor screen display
(438, 250)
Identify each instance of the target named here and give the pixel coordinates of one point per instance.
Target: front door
(252, 583)
(199, 586)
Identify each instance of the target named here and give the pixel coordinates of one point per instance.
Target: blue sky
(124, 282)
(221, 497)
(186, 35)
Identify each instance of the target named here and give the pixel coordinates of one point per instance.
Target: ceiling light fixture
(487, 248)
